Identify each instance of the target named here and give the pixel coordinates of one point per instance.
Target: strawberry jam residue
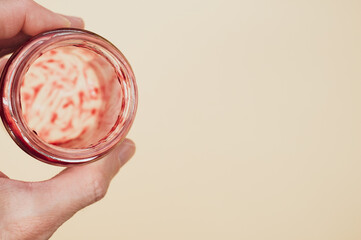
(69, 97)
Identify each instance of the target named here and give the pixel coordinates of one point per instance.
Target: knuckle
(98, 188)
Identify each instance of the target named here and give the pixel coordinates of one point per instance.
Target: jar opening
(71, 97)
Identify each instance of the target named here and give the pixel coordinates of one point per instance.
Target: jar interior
(71, 97)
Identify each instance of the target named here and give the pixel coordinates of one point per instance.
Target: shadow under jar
(68, 96)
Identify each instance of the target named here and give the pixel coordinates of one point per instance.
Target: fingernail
(2, 63)
(66, 21)
(126, 150)
(75, 22)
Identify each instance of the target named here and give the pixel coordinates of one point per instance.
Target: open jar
(68, 96)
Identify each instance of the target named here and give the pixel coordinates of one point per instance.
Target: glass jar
(68, 96)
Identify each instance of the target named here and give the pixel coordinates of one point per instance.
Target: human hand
(20, 19)
(34, 210)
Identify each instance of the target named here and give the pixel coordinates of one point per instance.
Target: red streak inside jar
(71, 97)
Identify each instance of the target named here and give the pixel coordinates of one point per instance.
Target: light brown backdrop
(249, 121)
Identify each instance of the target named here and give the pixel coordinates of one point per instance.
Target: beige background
(249, 121)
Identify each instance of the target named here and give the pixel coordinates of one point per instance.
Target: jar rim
(10, 107)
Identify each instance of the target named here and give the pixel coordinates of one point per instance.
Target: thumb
(77, 187)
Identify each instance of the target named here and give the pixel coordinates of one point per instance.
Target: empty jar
(68, 96)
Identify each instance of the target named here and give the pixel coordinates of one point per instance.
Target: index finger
(21, 19)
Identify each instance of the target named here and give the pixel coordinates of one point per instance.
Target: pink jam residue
(70, 97)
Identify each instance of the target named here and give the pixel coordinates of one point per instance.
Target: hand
(20, 19)
(34, 210)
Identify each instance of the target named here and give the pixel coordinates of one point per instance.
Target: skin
(35, 210)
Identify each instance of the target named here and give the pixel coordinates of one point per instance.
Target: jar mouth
(118, 111)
